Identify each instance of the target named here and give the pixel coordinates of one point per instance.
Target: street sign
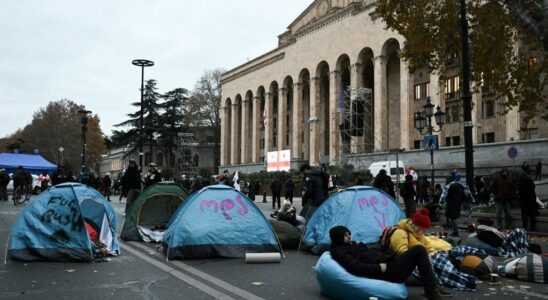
(430, 142)
(512, 152)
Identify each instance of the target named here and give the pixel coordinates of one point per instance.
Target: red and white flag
(278, 161)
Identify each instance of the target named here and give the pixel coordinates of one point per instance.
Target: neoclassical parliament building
(335, 90)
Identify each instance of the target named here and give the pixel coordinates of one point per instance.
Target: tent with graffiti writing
(218, 221)
(56, 226)
(150, 212)
(364, 210)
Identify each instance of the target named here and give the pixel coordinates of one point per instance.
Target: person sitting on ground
(410, 233)
(99, 249)
(287, 212)
(361, 260)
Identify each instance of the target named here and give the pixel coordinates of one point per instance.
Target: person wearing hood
(528, 201)
(361, 260)
(410, 233)
(454, 195)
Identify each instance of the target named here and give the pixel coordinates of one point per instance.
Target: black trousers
(529, 215)
(399, 269)
(289, 196)
(276, 199)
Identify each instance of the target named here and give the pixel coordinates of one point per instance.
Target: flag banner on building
(278, 161)
(236, 180)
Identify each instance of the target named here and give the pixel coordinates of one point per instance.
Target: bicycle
(21, 194)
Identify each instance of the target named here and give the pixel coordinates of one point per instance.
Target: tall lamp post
(142, 63)
(467, 100)
(84, 121)
(423, 120)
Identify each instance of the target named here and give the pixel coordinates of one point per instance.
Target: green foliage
(499, 48)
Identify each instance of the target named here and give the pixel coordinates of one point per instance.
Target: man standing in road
(538, 171)
(454, 195)
(315, 189)
(131, 183)
(153, 176)
(4, 180)
(504, 191)
(276, 188)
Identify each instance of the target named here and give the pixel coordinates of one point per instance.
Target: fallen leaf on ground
(69, 270)
(524, 287)
(257, 283)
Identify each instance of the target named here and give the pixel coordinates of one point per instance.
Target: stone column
(335, 143)
(255, 134)
(313, 121)
(282, 128)
(224, 140)
(234, 145)
(268, 123)
(297, 121)
(356, 143)
(244, 134)
(380, 94)
(405, 96)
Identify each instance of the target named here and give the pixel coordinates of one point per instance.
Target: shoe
(444, 293)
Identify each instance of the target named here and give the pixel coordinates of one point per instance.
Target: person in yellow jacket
(410, 233)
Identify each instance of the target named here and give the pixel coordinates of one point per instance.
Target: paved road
(142, 272)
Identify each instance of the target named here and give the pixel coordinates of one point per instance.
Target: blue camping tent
(218, 221)
(33, 163)
(364, 210)
(52, 227)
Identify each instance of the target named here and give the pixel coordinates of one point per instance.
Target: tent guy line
(223, 284)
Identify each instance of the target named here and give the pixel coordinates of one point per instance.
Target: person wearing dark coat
(384, 183)
(408, 194)
(422, 187)
(276, 188)
(454, 196)
(315, 190)
(4, 180)
(153, 176)
(528, 201)
(366, 261)
(289, 189)
(131, 183)
(503, 188)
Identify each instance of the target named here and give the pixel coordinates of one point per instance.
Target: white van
(391, 168)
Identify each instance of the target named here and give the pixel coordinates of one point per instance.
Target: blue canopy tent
(33, 163)
(364, 210)
(52, 228)
(218, 221)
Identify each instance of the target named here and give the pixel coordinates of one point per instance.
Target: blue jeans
(455, 226)
(503, 208)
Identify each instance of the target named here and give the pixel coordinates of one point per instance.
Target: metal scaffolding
(355, 118)
(187, 146)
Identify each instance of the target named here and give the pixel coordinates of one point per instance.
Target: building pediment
(315, 12)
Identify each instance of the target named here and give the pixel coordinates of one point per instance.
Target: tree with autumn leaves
(504, 54)
(58, 125)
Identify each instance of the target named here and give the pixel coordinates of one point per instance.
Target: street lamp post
(142, 63)
(422, 120)
(467, 100)
(84, 122)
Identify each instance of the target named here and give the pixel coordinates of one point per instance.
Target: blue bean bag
(337, 283)
(473, 241)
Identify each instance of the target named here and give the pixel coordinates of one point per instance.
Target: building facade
(336, 87)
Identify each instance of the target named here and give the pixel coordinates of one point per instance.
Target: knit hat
(337, 235)
(422, 218)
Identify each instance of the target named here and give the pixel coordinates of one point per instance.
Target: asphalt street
(142, 272)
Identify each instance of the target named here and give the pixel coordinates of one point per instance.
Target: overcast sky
(82, 50)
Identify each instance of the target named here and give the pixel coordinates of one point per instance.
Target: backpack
(490, 235)
(386, 234)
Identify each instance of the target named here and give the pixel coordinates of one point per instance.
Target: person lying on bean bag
(360, 260)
